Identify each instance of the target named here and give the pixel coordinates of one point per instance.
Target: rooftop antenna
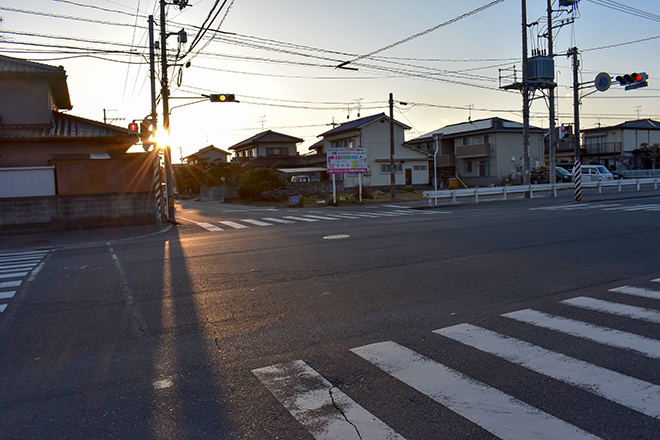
(470, 107)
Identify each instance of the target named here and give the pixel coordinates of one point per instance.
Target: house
(373, 134)
(483, 152)
(59, 171)
(268, 144)
(618, 146)
(209, 154)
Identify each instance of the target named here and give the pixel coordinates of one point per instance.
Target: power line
(626, 9)
(412, 37)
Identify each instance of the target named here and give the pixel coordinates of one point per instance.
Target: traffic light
(564, 132)
(133, 133)
(633, 80)
(145, 133)
(223, 97)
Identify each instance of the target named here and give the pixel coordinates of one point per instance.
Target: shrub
(257, 181)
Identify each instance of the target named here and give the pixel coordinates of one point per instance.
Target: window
(468, 166)
(486, 138)
(386, 169)
(419, 168)
(467, 141)
(344, 143)
(277, 151)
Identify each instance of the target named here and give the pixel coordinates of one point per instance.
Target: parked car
(299, 179)
(595, 173)
(566, 176)
(540, 175)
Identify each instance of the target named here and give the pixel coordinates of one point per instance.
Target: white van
(594, 173)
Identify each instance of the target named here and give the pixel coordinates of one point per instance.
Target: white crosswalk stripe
(633, 393)
(303, 391)
(628, 311)
(306, 218)
(319, 406)
(488, 407)
(615, 338)
(13, 268)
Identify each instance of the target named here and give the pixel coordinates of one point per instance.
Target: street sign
(603, 81)
(346, 160)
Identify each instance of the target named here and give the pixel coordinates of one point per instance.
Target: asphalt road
(362, 322)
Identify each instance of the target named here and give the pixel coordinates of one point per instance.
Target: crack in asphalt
(332, 397)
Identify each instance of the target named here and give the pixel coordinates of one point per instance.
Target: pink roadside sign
(346, 160)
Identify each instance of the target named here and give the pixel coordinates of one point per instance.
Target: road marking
(207, 226)
(633, 393)
(637, 291)
(3, 307)
(615, 308)
(300, 219)
(362, 214)
(234, 224)
(5, 284)
(278, 220)
(13, 274)
(7, 295)
(351, 216)
(323, 409)
(40, 253)
(24, 260)
(604, 335)
(256, 222)
(11, 267)
(319, 217)
(336, 237)
(491, 409)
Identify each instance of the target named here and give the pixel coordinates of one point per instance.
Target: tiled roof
(56, 77)
(268, 161)
(359, 123)
(64, 127)
(265, 137)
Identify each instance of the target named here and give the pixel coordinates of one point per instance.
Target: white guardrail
(531, 189)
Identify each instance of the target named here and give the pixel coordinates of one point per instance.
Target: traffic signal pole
(165, 92)
(577, 166)
(552, 139)
(525, 91)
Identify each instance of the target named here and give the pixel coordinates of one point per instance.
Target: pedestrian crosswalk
(14, 268)
(245, 223)
(648, 207)
(328, 413)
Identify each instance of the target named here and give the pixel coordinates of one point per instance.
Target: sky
(280, 60)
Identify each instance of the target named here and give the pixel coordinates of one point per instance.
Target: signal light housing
(633, 80)
(133, 132)
(222, 97)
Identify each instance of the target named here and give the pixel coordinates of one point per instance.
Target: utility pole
(551, 99)
(165, 92)
(160, 206)
(392, 169)
(525, 91)
(577, 167)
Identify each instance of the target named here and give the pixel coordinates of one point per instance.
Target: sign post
(346, 161)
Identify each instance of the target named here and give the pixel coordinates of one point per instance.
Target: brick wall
(29, 215)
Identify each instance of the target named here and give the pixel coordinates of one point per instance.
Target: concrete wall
(64, 213)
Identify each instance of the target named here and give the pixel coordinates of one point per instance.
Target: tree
(257, 181)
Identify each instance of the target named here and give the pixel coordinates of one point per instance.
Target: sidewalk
(54, 240)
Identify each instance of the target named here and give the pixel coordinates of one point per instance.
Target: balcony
(602, 148)
(470, 151)
(445, 160)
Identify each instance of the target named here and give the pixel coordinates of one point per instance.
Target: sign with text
(346, 160)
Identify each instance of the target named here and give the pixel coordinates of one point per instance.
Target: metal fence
(552, 188)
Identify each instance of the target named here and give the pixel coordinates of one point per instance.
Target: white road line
(604, 335)
(323, 409)
(3, 307)
(319, 217)
(300, 219)
(7, 295)
(20, 260)
(41, 253)
(362, 214)
(5, 284)
(278, 220)
(207, 226)
(637, 291)
(351, 216)
(11, 267)
(491, 409)
(234, 224)
(627, 391)
(256, 222)
(657, 280)
(613, 308)
(13, 274)
(384, 214)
